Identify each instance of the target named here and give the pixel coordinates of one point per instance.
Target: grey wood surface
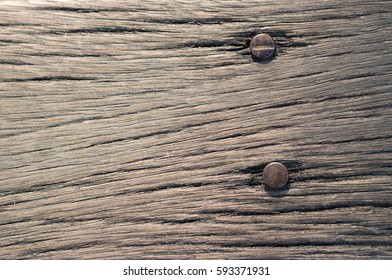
(139, 129)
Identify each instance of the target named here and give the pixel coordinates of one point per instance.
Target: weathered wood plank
(140, 129)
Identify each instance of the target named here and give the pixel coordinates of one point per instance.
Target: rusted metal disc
(262, 47)
(275, 175)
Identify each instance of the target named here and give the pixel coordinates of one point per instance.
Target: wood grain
(139, 129)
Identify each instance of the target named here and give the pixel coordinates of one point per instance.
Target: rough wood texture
(139, 129)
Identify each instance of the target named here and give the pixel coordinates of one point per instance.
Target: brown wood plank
(136, 129)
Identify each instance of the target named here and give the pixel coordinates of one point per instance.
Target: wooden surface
(139, 129)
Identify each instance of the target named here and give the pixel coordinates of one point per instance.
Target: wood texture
(139, 129)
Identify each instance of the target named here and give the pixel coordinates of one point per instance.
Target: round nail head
(275, 175)
(262, 47)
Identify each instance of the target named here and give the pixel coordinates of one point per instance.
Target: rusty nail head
(262, 47)
(275, 175)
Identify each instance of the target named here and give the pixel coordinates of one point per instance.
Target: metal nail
(275, 175)
(262, 47)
